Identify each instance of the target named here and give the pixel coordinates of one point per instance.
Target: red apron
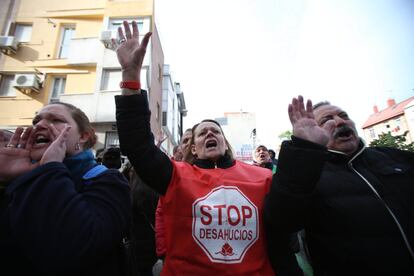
(213, 221)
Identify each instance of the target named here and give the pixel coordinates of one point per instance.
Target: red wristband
(134, 85)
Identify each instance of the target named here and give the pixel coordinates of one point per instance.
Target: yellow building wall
(26, 110)
(81, 83)
(36, 8)
(129, 8)
(41, 53)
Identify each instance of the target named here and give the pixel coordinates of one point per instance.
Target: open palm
(130, 51)
(304, 124)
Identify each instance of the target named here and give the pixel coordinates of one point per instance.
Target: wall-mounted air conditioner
(27, 83)
(105, 38)
(8, 44)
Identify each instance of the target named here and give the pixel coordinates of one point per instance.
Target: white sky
(255, 55)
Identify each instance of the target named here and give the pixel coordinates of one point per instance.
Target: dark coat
(349, 229)
(50, 227)
(138, 144)
(144, 205)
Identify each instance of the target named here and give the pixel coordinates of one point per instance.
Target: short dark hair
(112, 158)
(315, 106)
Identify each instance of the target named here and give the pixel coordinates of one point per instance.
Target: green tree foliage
(285, 135)
(397, 141)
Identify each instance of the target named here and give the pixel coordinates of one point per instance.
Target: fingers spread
(114, 44)
(309, 109)
(121, 33)
(25, 137)
(16, 137)
(145, 40)
(292, 116)
(302, 107)
(296, 109)
(135, 31)
(127, 30)
(30, 139)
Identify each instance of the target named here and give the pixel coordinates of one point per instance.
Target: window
(67, 32)
(6, 86)
(111, 79)
(111, 139)
(114, 24)
(58, 88)
(372, 133)
(23, 32)
(398, 122)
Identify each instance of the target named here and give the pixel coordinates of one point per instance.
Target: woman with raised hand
(60, 212)
(212, 207)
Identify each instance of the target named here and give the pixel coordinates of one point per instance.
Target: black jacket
(51, 226)
(155, 168)
(349, 229)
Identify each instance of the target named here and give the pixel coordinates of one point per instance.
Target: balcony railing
(99, 107)
(84, 51)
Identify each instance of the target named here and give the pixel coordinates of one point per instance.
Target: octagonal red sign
(225, 224)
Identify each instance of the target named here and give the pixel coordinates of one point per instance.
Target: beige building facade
(60, 51)
(396, 118)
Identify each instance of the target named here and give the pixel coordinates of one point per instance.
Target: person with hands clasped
(354, 202)
(212, 205)
(61, 213)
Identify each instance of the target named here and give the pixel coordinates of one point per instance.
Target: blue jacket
(53, 223)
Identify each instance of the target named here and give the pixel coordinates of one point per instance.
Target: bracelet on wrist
(133, 85)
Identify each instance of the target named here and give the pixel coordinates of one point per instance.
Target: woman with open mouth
(61, 213)
(212, 205)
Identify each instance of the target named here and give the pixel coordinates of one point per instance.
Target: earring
(77, 146)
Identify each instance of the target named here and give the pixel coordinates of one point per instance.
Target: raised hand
(15, 157)
(130, 52)
(303, 122)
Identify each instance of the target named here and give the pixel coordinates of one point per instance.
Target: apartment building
(396, 118)
(240, 131)
(60, 51)
(173, 110)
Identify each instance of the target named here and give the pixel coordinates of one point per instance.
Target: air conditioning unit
(8, 44)
(27, 83)
(105, 38)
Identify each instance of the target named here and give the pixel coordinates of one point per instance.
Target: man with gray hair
(354, 202)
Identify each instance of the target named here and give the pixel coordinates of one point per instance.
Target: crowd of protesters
(329, 205)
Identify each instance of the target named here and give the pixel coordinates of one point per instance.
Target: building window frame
(57, 88)
(23, 32)
(142, 24)
(111, 139)
(67, 32)
(111, 85)
(372, 133)
(6, 85)
(107, 84)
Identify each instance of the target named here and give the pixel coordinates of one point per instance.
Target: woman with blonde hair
(213, 206)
